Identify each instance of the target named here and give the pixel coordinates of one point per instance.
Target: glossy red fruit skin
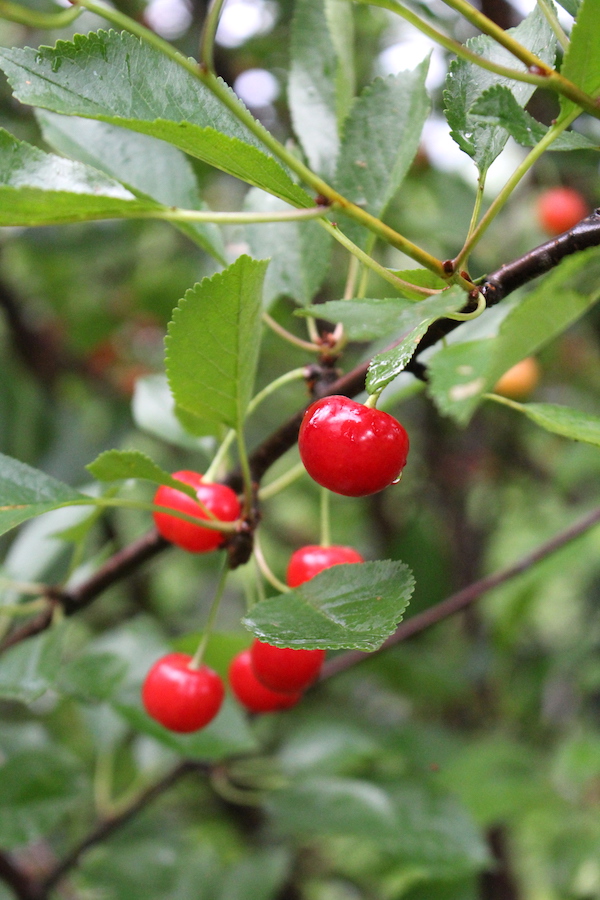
(560, 208)
(308, 561)
(283, 668)
(180, 698)
(219, 498)
(351, 449)
(251, 693)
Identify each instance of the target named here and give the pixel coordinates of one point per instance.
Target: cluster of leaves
(388, 780)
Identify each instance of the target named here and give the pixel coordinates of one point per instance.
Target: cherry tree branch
(495, 288)
(107, 827)
(465, 597)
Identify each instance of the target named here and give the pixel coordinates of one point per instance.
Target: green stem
(22, 587)
(552, 19)
(23, 609)
(32, 19)
(476, 208)
(174, 214)
(288, 336)
(325, 517)
(284, 481)
(371, 401)
(265, 570)
(497, 398)
(209, 30)
(370, 263)
(245, 467)
(230, 101)
(122, 503)
(550, 78)
(521, 170)
(198, 657)
(286, 378)
(455, 47)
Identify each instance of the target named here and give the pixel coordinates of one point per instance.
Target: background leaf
(156, 97)
(147, 165)
(299, 251)
(570, 423)
(381, 137)
(27, 492)
(345, 606)
(214, 340)
(38, 188)
(312, 86)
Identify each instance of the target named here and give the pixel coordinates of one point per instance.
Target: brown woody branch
(464, 598)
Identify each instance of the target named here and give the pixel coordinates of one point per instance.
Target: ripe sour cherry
(249, 691)
(218, 498)
(179, 697)
(350, 448)
(308, 561)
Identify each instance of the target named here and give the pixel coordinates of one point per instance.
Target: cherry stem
(279, 484)
(288, 336)
(371, 401)
(265, 570)
(198, 657)
(325, 517)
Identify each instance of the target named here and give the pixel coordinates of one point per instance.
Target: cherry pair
(265, 678)
(185, 699)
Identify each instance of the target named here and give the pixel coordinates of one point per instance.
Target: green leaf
(581, 63)
(571, 6)
(114, 465)
(436, 833)
(367, 318)
(226, 735)
(312, 86)
(148, 166)
(38, 787)
(38, 188)
(381, 137)
(299, 251)
(466, 83)
(460, 374)
(335, 806)
(498, 107)
(570, 423)
(29, 669)
(420, 277)
(154, 411)
(27, 492)
(92, 676)
(213, 343)
(341, 30)
(384, 367)
(349, 605)
(117, 78)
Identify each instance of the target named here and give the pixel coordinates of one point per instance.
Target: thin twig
(106, 828)
(462, 599)
(20, 882)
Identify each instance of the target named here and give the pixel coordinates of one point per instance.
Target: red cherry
(560, 208)
(251, 693)
(219, 498)
(308, 561)
(180, 698)
(283, 668)
(350, 448)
